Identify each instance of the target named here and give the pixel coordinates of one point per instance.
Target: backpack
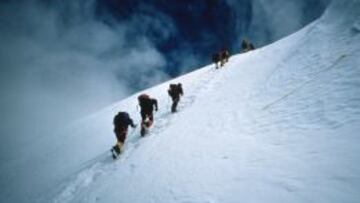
(216, 57)
(143, 98)
(121, 118)
(174, 89)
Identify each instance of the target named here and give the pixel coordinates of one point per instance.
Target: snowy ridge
(278, 124)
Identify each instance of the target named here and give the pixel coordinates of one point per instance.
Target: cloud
(156, 25)
(59, 61)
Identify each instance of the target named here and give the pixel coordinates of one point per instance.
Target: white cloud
(58, 63)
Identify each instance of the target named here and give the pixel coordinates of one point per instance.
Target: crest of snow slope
(279, 124)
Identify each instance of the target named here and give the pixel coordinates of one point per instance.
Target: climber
(175, 91)
(147, 105)
(121, 123)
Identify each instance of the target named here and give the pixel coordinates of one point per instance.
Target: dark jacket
(123, 120)
(216, 57)
(147, 105)
(225, 54)
(121, 123)
(175, 91)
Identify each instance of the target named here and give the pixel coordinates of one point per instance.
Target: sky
(63, 59)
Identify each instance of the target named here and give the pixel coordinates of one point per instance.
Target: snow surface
(278, 124)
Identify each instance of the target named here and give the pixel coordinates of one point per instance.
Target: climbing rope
(334, 64)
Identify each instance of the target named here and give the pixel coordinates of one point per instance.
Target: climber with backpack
(147, 105)
(224, 56)
(246, 46)
(216, 59)
(175, 91)
(121, 123)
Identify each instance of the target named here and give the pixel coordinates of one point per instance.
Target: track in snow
(104, 164)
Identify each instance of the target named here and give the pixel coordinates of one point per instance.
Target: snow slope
(279, 124)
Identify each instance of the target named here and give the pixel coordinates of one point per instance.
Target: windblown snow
(278, 124)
